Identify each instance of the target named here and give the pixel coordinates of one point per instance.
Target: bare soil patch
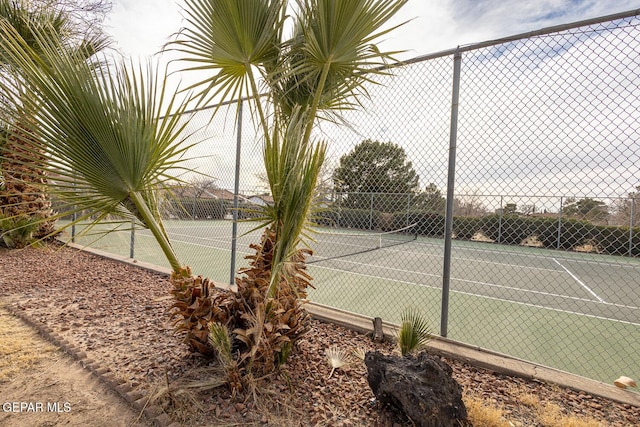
(116, 314)
(41, 386)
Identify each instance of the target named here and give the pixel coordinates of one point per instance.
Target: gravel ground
(117, 314)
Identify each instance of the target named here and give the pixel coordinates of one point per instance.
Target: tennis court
(572, 311)
(598, 286)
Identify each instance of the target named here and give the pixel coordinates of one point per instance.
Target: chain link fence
(495, 187)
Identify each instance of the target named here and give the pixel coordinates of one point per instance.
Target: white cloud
(142, 27)
(416, 115)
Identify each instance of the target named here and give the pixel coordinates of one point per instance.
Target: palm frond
(414, 333)
(332, 53)
(220, 339)
(108, 132)
(228, 38)
(292, 169)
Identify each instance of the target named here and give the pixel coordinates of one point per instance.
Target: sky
(140, 28)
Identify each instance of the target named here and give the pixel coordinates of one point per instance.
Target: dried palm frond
(337, 358)
(359, 353)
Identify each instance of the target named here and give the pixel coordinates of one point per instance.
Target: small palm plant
(19, 230)
(414, 332)
(108, 133)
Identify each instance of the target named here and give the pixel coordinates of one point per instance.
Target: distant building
(195, 192)
(261, 200)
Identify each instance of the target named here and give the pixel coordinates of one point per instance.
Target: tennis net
(331, 245)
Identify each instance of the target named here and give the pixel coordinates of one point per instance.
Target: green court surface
(573, 311)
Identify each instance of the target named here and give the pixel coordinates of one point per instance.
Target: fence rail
(519, 161)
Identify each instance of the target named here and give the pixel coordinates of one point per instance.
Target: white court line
(625, 262)
(439, 288)
(438, 276)
(488, 297)
(480, 261)
(474, 282)
(580, 282)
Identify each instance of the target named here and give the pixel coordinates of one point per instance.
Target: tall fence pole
(73, 227)
(559, 225)
(132, 242)
(236, 190)
(371, 212)
(631, 223)
(501, 212)
(448, 224)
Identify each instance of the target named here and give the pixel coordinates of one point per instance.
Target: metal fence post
(73, 228)
(236, 190)
(339, 199)
(132, 241)
(559, 225)
(371, 212)
(500, 219)
(408, 208)
(74, 217)
(631, 223)
(448, 232)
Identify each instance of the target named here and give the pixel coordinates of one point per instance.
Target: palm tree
(105, 129)
(314, 74)
(24, 204)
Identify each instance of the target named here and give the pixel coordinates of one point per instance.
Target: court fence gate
(515, 162)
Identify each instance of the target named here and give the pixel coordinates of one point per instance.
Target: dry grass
(550, 415)
(484, 413)
(20, 347)
(481, 413)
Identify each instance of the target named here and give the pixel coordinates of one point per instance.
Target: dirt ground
(41, 386)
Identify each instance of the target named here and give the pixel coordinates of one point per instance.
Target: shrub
(364, 219)
(428, 223)
(191, 208)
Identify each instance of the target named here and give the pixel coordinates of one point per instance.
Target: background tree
(623, 209)
(430, 200)
(86, 17)
(375, 174)
(470, 205)
(510, 209)
(586, 209)
(528, 209)
(195, 187)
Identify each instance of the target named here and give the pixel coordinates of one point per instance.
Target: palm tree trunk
(23, 195)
